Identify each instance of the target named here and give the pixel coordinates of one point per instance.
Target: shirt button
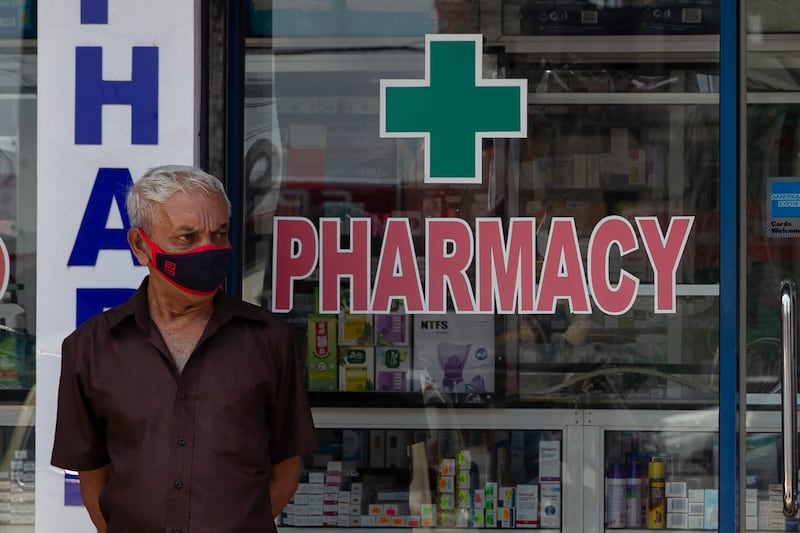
(178, 485)
(176, 530)
(181, 441)
(184, 396)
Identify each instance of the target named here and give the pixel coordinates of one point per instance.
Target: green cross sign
(453, 108)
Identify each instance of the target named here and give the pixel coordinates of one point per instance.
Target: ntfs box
(456, 351)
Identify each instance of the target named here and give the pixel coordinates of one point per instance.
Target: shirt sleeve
(291, 424)
(79, 442)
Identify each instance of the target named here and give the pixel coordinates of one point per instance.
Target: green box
(322, 355)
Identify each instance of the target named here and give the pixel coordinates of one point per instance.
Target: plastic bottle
(616, 480)
(634, 491)
(656, 501)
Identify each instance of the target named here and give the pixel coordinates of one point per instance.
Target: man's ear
(139, 247)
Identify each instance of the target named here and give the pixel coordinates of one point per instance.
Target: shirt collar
(225, 308)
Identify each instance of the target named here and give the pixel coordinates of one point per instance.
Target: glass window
(615, 180)
(17, 262)
(773, 150)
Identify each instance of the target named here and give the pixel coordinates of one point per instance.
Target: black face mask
(200, 271)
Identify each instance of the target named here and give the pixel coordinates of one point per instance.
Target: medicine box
(322, 360)
(711, 514)
(356, 368)
(677, 505)
(392, 329)
(377, 448)
(677, 520)
(550, 508)
(456, 352)
(527, 506)
(392, 368)
(550, 461)
(675, 489)
(396, 448)
(355, 329)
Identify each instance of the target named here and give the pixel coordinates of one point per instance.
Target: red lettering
(353, 264)
(294, 256)
(449, 255)
(609, 232)
(664, 253)
(505, 270)
(562, 271)
(397, 275)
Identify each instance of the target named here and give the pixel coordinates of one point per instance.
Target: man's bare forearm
(92, 483)
(283, 480)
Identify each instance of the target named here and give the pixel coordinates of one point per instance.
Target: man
(182, 409)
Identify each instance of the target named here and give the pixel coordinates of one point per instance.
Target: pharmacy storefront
(540, 255)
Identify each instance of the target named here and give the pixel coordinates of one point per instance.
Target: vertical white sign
(117, 94)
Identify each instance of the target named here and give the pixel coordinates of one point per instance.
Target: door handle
(789, 396)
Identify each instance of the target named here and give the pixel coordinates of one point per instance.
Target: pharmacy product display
(503, 479)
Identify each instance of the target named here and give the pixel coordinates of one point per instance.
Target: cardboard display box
(456, 351)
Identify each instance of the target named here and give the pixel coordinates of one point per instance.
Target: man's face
(191, 219)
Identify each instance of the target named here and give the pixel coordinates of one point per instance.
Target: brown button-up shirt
(190, 452)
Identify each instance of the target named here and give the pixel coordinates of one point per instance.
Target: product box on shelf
(550, 508)
(377, 448)
(397, 441)
(322, 361)
(354, 449)
(527, 506)
(711, 515)
(354, 329)
(572, 17)
(356, 368)
(622, 170)
(392, 329)
(392, 368)
(550, 461)
(456, 351)
(675, 16)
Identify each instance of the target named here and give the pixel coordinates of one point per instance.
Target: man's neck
(171, 306)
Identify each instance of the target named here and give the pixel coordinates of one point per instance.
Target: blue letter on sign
(94, 11)
(92, 92)
(89, 302)
(110, 185)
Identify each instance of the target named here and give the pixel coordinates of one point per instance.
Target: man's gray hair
(158, 184)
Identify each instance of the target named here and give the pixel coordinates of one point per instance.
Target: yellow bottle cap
(655, 469)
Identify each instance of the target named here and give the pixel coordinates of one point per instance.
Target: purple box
(392, 329)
